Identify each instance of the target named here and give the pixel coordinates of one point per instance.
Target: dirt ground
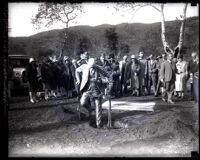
(51, 128)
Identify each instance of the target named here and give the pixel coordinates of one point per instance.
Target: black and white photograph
(112, 79)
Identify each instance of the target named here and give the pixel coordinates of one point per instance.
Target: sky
(20, 14)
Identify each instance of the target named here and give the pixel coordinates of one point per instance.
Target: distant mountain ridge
(132, 37)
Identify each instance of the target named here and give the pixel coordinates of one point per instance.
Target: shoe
(32, 101)
(170, 101)
(164, 100)
(133, 93)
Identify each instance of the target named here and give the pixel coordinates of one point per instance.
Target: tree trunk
(166, 46)
(63, 43)
(178, 48)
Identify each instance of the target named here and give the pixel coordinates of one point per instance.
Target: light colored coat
(181, 68)
(84, 69)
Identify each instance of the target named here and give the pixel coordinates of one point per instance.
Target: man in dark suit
(167, 76)
(122, 67)
(148, 73)
(114, 66)
(161, 59)
(193, 67)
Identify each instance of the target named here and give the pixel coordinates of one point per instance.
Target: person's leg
(149, 85)
(137, 86)
(164, 93)
(158, 87)
(170, 92)
(154, 84)
(85, 103)
(191, 91)
(31, 97)
(98, 112)
(34, 96)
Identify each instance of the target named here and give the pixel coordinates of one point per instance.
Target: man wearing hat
(167, 76)
(148, 73)
(142, 76)
(102, 60)
(135, 72)
(89, 88)
(122, 67)
(83, 58)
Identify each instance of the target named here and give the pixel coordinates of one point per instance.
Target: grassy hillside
(131, 39)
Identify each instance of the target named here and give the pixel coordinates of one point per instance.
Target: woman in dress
(181, 75)
(32, 79)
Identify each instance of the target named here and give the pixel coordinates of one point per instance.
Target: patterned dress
(181, 73)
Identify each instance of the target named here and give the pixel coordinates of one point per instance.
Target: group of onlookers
(136, 75)
(54, 77)
(164, 74)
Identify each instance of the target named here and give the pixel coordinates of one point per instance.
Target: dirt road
(52, 128)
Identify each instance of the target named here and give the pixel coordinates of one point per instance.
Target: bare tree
(134, 7)
(52, 13)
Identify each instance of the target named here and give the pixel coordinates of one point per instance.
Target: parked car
(17, 72)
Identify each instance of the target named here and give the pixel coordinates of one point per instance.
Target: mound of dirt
(155, 125)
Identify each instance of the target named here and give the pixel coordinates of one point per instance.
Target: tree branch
(181, 36)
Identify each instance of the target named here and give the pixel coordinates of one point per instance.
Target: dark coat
(32, 76)
(68, 79)
(47, 74)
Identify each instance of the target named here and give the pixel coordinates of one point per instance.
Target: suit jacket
(167, 71)
(148, 67)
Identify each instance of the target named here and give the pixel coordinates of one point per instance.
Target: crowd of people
(136, 75)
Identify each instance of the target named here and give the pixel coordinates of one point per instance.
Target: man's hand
(162, 80)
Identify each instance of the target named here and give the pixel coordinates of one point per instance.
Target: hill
(129, 39)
